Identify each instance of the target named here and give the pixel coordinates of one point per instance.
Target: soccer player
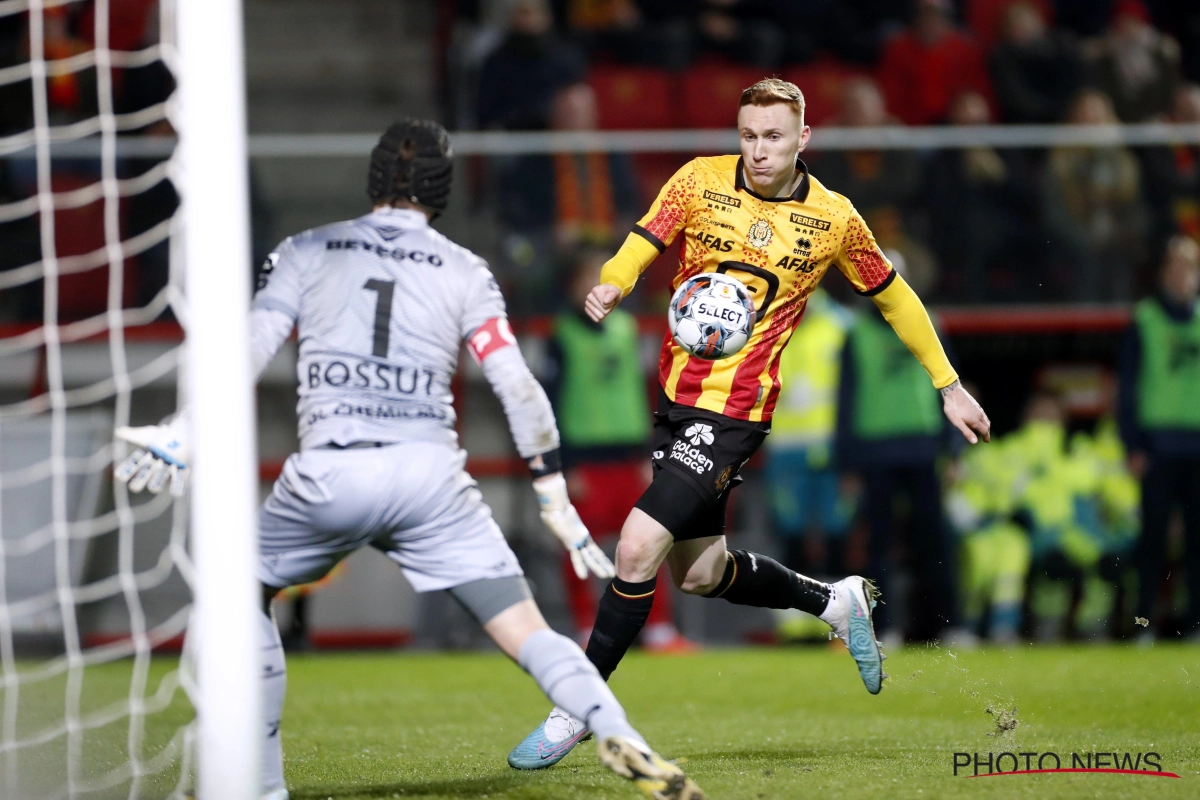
(383, 304)
(763, 219)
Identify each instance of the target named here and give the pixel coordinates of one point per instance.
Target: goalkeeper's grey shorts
(414, 501)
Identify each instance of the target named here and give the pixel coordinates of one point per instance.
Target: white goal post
(214, 191)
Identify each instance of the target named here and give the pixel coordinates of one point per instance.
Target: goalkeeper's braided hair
(413, 162)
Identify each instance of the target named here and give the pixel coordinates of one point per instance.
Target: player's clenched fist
(162, 456)
(601, 300)
(562, 518)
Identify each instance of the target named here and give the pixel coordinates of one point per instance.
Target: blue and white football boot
(849, 614)
(550, 742)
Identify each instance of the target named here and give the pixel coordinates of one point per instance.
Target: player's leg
(274, 687)
(507, 612)
(306, 526)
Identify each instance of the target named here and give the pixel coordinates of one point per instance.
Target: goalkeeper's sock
(751, 579)
(274, 678)
(623, 612)
(573, 684)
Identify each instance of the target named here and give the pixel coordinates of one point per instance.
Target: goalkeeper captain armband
(545, 464)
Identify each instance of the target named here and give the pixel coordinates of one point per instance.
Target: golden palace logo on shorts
(759, 234)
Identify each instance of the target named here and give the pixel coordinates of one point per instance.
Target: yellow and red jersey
(779, 247)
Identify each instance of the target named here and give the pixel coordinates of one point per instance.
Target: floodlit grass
(757, 724)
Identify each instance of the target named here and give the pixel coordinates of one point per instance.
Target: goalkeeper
(383, 304)
(763, 219)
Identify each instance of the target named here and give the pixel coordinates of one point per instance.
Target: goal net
(109, 146)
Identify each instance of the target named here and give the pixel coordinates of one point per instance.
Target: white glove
(163, 455)
(562, 518)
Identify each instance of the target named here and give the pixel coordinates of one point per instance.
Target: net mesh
(92, 581)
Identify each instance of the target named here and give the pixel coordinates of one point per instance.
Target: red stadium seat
(822, 84)
(711, 93)
(634, 98)
(985, 18)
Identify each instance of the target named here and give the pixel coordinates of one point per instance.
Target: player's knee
(637, 558)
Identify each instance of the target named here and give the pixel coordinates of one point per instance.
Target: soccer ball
(711, 315)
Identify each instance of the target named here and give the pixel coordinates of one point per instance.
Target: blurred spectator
(810, 514)
(1160, 423)
(596, 383)
(890, 430)
(1091, 199)
(518, 81)
(21, 246)
(857, 31)
(553, 202)
(1083, 17)
(983, 507)
(986, 18)
(1035, 70)
(620, 28)
(746, 31)
(1135, 64)
(874, 178)
(980, 201)
(924, 68)
(1173, 175)
(71, 96)
(1071, 510)
(16, 98)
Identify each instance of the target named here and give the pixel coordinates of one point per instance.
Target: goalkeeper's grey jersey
(383, 303)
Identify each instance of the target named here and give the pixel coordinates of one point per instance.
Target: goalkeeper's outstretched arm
(163, 452)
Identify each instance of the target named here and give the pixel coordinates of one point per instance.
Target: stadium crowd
(977, 225)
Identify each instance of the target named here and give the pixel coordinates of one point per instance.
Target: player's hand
(563, 520)
(966, 414)
(162, 457)
(601, 300)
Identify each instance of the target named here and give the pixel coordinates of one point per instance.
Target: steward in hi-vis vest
(1159, 417)
(890, 430)
(601, 390)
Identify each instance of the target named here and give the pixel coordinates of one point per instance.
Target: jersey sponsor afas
(779, 247)
(383, 304)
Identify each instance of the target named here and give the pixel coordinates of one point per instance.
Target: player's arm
(872, 275)
(650, 237)
(162, 453)
(531, 420)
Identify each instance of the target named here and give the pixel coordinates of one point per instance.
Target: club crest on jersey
(759, 234)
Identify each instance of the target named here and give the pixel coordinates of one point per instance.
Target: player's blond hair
(770, 91)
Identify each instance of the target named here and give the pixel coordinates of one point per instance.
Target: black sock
(751, 579)
(623, 612)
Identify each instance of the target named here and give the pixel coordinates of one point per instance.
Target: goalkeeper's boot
(550, 742)
(849, 614)
(656, 777)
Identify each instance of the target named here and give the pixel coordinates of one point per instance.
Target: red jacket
(921, 81)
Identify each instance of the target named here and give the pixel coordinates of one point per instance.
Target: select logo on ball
(711, 315)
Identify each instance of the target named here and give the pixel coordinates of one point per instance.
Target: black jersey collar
(801, 193)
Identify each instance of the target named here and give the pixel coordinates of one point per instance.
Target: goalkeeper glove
(562, 518)
(162, 455)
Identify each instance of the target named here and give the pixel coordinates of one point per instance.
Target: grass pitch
(756, 724)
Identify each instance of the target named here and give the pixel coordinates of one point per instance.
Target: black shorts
(697, 455)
